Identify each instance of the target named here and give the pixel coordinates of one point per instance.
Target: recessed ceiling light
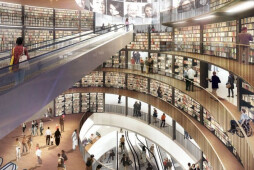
(206, 17)
(241, 7)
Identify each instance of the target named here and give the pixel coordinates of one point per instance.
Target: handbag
(12, 60)
(23, 62)
(228, 85)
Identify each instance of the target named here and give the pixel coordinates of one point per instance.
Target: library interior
(92, 84)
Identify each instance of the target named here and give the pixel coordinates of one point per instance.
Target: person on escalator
(19, 54)
(149, 166)
(122, 141)
(126, 161)
(143, 155)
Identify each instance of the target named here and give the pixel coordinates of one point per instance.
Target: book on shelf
(166, 90)
(94, 79)
(67, 18)
(11, 14)
(8, 38)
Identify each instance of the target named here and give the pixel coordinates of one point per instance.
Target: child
(38, 154)
(51, 140)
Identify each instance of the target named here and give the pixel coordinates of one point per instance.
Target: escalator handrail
(41, 55)
(148, 151)
(53, 40)
(78, 36)
(160, 157)
(127, 139)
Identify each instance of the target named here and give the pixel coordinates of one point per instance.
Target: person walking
(57, 137)
(24, 144)
(23, 128)
(191, 74)
(142, 65)
(147, 65)
(111, 155)
(230, 84)
(64, 156)
(41, 127)
(135, 113)
(61, 122)
(244, 47)
(139, 109)
(60, 162)
(35, 128)
(119, 99)
(32, 132)
(122, 142)
(48, 134)
(18, 148)
(18, 51)
(38, 154)
(163, 120)
(215, 80)
(89, 162)
(125, 161)
(74, 139)
(155, 115)
(29, 143)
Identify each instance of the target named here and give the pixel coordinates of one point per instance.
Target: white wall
(113, 99)
(144, 106)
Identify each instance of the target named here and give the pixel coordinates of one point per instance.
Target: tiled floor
(49, 154)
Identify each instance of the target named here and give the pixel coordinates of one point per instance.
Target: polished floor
(49, 153)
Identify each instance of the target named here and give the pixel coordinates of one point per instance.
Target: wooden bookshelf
(8, 38)
(187, 104)
(161, 41)
(115, 79)
(187, 39)
(137, 83)
(86, 20)
(66, 18)
(165, 88)
(94, 79)
(85, 102)
(249, 23)
(10, 14)
(219, 39)
(37, 36)
(140, 42)
(39, 17)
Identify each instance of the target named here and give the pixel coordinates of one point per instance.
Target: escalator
(54, 67)
(136, 161)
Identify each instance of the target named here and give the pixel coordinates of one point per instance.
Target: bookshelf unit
(8, 38)
(37, 36)
(68, 104)
(66, 18)
(10, 14)
(165, 88)
(115, 60)
(115, 79)
(187, 39)
(109, 62)
(64, 33)
(219, 39)
(59, 105)
(178, 65)
(247, 98)
(161, 41)
(96, 102)
(122, 59)
(216, 4)
(140, 42)
(154, 56)
(137, 83)
(187, 104)
(39, 17)
(94, 79)
(86, 20)
(249, 23)
(76, 102)
(85, 102)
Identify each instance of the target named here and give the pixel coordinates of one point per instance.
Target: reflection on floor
(222, 91)
(49, 153)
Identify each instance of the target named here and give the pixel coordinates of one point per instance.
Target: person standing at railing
(163, 120)
(132, 63)
(142, 65)
(230, 84)
(244, 45)
(147, 65)
(155, 115)
(191, 73)
(18, 52)
(127, 24)
(215, 80)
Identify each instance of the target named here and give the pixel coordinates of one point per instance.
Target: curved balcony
(220, 156)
